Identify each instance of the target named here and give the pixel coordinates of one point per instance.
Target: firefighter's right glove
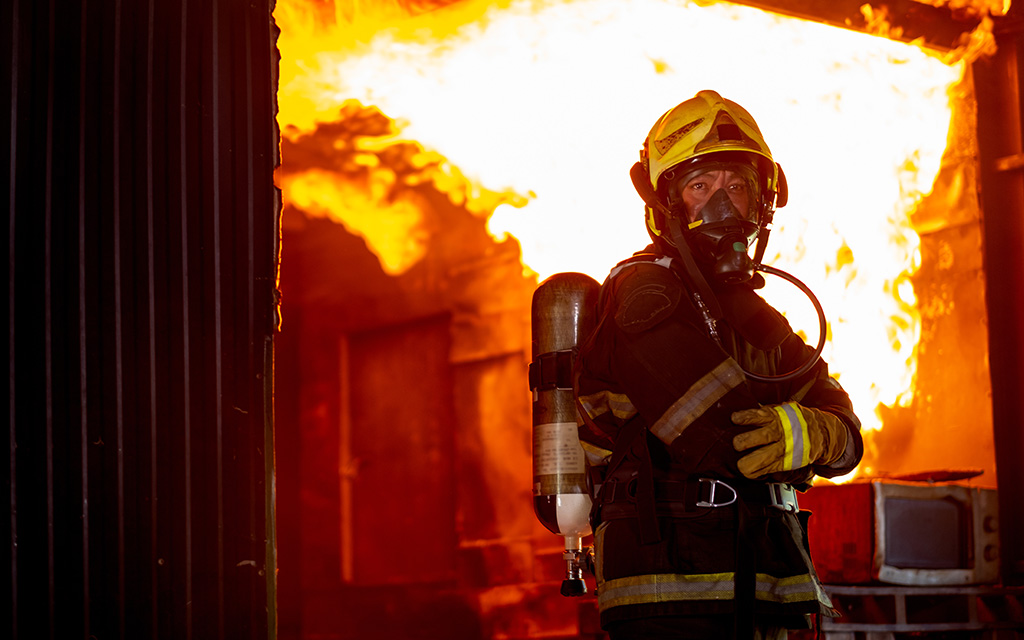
(790, 436)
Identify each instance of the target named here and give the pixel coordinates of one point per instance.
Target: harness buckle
(783, 496)
(711, 499)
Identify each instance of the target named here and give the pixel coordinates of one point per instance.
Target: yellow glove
(791, 436)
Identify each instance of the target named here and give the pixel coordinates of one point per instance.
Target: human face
(698, 190)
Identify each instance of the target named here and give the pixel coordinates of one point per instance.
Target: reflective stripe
(794, 427)
(664, 588)
(700, 397)
(711, 586)
(596, 455)
(600, 403)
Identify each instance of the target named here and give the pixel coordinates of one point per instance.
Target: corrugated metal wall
(139, 295)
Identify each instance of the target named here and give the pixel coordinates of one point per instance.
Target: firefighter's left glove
(790, 436)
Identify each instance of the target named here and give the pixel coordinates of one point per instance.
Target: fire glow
(534, 111)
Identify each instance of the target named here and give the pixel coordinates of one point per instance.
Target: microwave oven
(904, 533)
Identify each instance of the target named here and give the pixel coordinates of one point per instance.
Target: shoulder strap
(632, 435)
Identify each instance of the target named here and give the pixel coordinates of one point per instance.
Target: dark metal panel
(998, 84)
(140, 297)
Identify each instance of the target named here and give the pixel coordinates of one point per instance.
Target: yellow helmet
(709, 128)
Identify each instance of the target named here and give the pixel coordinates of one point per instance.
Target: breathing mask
(720, 227)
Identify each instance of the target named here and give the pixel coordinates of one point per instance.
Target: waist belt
(690, 497)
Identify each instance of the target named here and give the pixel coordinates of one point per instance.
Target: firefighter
(702, 411)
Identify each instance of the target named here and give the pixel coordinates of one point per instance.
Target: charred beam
(939, 27)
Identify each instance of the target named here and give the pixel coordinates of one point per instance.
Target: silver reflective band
(783, 496)
(715, 483)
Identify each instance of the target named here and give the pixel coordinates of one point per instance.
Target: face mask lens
(690, 193)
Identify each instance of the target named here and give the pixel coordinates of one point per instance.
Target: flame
(547, 103)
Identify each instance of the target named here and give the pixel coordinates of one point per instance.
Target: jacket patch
(646, 306)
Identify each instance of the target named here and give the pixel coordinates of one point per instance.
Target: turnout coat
(656, 392)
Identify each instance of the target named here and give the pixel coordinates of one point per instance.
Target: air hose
(813, 359)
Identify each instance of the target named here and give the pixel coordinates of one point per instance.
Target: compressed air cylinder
(563, 314)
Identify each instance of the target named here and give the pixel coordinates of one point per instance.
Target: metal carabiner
(714, 483)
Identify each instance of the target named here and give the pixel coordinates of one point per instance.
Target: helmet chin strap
(704, 296)
(762, 244)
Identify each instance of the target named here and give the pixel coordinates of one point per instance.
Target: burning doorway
(438, 161)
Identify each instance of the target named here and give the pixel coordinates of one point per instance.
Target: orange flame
(547, 102)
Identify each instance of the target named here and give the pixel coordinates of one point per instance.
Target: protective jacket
(656, 393)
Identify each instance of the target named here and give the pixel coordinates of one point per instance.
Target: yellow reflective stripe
(600, 403)
(799, 588)
(664, 588)
(787, 434)
(595, 454)
(710, 586)
(700, 397)
(794, 428)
